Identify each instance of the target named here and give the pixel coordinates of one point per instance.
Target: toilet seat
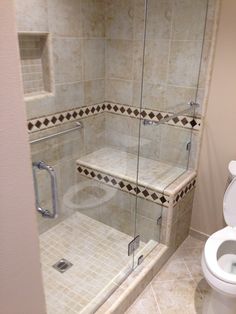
(229, 204)
(210, 253)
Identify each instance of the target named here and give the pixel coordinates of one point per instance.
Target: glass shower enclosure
(111, 89)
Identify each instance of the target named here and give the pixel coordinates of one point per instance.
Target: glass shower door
(87, 248)
(174, 64)
(84, 248)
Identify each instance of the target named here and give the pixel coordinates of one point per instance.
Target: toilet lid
(229, 204)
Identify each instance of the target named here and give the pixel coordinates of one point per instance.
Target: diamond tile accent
(186, 189)
(54, 119)
(159, 116)
(129, 187)
(193, 123)
(140, 191)
(49, 121)
(176, 120)
(38, 124)
(30, 126)
(145, 193)
(61, 117)
(68, 116)
(184, 121)
(74, 114)
(113, 181)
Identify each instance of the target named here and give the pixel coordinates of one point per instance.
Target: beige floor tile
(178, 296)
(179, 287)
(204, 287)
(192, 242)
(190, 254)
(173, 270)
(146, 303)
(195, 268)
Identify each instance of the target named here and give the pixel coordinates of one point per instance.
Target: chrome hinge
(140, 259)
(133, 245)
(188, 146)
(193, 104)
(159, 220)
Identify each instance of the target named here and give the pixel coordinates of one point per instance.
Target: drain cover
(62, 265)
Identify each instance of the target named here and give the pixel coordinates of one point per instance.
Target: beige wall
(219, 143)
(20, 278)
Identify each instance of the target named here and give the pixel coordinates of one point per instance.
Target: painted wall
(218, 145)
(21, 289)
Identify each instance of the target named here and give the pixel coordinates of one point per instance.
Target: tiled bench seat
(159, 182)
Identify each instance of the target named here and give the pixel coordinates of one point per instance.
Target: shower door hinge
(159, 220)
(188, 146)
(133, 245)
(140, 260)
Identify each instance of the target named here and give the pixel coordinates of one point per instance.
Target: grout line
(155, 298)
(170, 46)
(191, 275)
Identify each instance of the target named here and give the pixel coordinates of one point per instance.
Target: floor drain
(62, 265)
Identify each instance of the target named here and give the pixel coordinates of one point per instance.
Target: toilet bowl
(219, 257)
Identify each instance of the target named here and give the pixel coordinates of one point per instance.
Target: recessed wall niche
(35, 63)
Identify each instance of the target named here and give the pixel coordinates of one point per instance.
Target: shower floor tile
(98, 254)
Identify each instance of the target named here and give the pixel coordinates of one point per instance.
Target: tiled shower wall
(97, 48)
(97, 55)
(172, 61)
(174, 39)
(77, 32)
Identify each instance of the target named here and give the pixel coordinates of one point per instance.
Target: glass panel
(173, 48)
(103, 76)
(84, 249)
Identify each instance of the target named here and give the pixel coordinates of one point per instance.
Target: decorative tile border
(187, 188)
(152, 195)
(125, 186)
(46, 122)
(153, 115)
(60, 118)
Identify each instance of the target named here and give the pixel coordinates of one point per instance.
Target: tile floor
(179, 287)
(100, 261)
(98, 254)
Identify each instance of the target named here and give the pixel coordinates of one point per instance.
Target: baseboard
(198, 234)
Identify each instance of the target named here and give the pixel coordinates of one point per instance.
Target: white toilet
(219, 257)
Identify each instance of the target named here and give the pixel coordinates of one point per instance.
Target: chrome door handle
(41, 165)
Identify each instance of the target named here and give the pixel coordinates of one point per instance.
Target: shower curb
(133, 286)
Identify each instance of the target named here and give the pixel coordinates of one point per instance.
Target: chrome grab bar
(79, 125)
(41, 165)
(170, 116)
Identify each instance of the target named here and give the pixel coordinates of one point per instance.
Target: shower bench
(158, 182)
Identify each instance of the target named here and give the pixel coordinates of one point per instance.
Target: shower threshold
(100, 263)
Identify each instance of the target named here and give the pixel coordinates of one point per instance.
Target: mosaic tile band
(187, 188)
(46, 122)
(125, 186)
(141, 191)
